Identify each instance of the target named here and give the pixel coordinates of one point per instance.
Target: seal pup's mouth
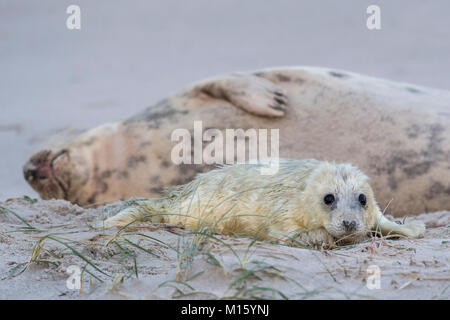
(346, 231)
(351, 237)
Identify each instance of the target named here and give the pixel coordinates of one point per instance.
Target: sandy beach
(169, 262)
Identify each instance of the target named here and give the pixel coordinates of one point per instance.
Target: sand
(168, 262)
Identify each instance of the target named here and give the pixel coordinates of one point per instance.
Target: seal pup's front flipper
(251, 93)
(142, 210)
(316, 238)
(412, 229)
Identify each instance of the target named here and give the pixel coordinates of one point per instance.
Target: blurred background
(129, 54)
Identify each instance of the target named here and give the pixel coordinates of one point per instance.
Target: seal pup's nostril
(349, 226)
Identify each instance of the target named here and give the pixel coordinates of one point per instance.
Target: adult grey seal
(397, 133)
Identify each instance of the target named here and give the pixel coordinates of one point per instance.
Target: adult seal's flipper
(251, 93)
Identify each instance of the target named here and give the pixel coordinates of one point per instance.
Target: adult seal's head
(49, 173)
(99, 166)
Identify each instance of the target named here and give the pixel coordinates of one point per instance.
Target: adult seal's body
(307, 201)
(399, 134)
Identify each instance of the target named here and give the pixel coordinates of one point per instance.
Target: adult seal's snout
(38, 167)
(29, 171)
(44, 174)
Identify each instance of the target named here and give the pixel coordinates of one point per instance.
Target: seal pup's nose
(349, 226)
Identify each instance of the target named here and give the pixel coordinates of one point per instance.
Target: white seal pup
(308, 201)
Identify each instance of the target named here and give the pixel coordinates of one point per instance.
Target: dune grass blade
(3, 209)
(157, 240)
(76, 252)
(141, 248)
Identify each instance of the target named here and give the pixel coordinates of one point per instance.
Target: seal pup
(397, 133)
(308, 201)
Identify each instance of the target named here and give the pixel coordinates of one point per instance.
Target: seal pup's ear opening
(48, 173)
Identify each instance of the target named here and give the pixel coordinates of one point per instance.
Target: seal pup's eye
(328, 199)
(362, 200)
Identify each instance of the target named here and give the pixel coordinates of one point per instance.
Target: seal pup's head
(339, 195)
